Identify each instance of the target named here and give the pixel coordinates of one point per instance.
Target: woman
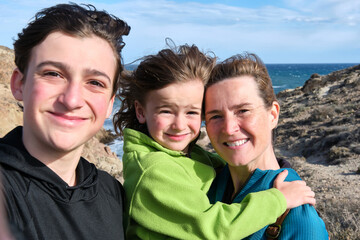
(241, 111)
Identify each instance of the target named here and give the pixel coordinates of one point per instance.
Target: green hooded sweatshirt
(166, 195)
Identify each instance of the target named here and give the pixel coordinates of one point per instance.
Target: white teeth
(237, 143)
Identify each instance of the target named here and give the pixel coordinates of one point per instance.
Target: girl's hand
(295, 192)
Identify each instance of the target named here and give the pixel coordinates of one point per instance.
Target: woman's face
(237, 122)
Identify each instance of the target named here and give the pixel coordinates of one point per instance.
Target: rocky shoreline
(318, 133)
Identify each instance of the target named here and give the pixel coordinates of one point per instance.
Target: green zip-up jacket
(166, 196)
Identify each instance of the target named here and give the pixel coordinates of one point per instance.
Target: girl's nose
(179, 122)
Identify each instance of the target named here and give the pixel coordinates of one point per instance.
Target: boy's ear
(274, 112)
(140, 113)
(16, 84)
(110, 107)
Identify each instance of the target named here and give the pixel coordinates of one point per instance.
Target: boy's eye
(96, 83)
(52, 74)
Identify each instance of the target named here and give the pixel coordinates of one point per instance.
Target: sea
(283, 76)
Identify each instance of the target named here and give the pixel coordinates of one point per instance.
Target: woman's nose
(230, 125)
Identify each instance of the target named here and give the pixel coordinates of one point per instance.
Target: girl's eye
(165, 111)
(193, 113)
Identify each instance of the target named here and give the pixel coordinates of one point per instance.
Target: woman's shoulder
(304, 222)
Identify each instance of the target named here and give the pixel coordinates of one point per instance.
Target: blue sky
(279, 31)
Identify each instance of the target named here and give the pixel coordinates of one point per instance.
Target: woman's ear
(274, 113)
(140, 112)
(17, 84)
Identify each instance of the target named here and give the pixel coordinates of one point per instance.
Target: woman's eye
(242, 111)
(214, 117)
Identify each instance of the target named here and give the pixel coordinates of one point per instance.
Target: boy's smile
(173, 114)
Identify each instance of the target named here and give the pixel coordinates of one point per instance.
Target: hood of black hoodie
(15, 157)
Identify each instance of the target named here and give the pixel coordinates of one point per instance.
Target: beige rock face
(11, 116)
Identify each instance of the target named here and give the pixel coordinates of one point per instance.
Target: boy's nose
(72, 96)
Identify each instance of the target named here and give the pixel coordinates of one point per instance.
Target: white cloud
(291, 32)
(340, 11)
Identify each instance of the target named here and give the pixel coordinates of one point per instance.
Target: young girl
(166, 174)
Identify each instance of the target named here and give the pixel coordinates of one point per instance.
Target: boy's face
(66, 92)
(173, 114)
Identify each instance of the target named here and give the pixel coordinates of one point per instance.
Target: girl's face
(237, 122)
(173, 114)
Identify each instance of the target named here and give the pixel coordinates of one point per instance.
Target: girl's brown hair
(172, 65)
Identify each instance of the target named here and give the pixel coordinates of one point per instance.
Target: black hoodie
(43, 206)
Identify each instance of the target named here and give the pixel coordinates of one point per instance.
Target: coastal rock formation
(319, 132)
(11, 116)
(321, 120)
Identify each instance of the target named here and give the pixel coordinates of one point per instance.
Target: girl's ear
(16, 84)
(140, 112)
(274, 114)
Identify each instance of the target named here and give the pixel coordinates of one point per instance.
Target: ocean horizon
(283, 76)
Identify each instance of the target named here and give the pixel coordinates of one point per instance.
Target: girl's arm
(296, 193)
(166, 201)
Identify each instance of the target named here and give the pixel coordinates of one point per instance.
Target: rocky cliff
(319, 132)
(11, 116)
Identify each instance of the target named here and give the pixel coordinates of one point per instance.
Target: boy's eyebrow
(52, 63)
(62, 66)
(94, 72)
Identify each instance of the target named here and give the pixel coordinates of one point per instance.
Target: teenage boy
(68, 66)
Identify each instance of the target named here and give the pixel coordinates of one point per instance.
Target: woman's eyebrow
(215, 111)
